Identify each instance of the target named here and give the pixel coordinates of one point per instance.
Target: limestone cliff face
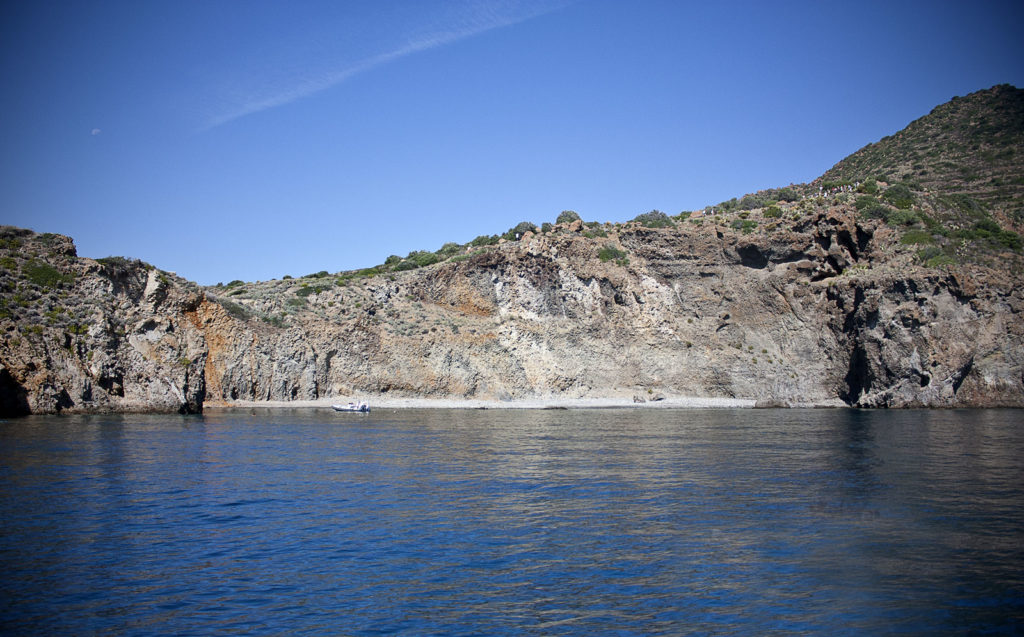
(828, 310)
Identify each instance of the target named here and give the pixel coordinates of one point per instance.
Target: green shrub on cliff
(902, 218)
(610, 253)
(484, 240)
(727, 206)
(900, 196)
(516, 233)
(1010, 240)
(869, 187)
(916, 236)
(746, 226)
(654, 219)
(749, 202)
(449, 249)
(594, 230)
(307, 290)
(422, 258)
(871, 208)
(933, 256)
(787, 194)
(276, 321)
(45, 275)
(236, 310)
(989, 231)
(567, 216)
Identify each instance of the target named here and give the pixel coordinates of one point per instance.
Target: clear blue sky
(231, 139)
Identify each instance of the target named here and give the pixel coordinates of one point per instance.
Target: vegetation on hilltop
(449, 251)
(654, 219)
(953, 179)
(952, 183)
(971, 146)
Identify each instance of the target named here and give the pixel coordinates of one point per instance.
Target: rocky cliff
(872, 290)
(830, 311)
(83, 335)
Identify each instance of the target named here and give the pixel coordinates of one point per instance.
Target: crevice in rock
(863, 239)
(752, 257)
(112, 382)
(845, 240)
(962, 296)
(905, 287)
(961, 374)
(858, 376)
(64, 400)
(852, 321)
(13, 397)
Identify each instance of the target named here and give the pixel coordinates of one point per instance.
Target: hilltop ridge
(869, 287)
(969, 146)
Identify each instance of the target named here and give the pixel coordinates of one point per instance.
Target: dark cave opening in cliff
(858, 377)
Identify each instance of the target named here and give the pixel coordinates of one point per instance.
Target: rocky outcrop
(826, 310)
(829, 312)
(939, 340)
(83, 335)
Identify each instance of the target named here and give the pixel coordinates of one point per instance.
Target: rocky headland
(874, 286)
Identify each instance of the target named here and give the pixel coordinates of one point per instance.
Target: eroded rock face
(929, 342)
(827, 312)
(824, 314)
(82, 335)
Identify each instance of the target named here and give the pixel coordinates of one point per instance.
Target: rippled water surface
(632, 522)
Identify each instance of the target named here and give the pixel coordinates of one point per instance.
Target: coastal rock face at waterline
(893, 281)
(829, 311)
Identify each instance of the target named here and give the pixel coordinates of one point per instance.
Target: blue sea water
(513, 522)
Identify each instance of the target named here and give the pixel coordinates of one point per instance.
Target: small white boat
(360, 407)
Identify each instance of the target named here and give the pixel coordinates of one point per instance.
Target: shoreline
(378, 402)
